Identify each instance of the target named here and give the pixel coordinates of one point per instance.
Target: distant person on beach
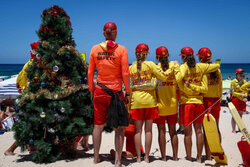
(143, 100)
(193, 84)
(229, 77)
(111, 62)
(239, 97)
(214, 93)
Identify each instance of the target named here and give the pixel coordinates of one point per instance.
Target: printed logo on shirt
(106, 56)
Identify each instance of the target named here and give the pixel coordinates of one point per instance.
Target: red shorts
(239, 104)
(101, 103)
(171, 119)
(209, 101)
(191, 112)
(144, 113)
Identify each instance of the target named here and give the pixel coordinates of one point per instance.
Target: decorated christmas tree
(56, 106)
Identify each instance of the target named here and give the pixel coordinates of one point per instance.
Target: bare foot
(189, 158)
(209, 158)
(139, 160)
(234, 131)
(174, 158)
(146, 160)
(163, 158)
(9, 153)
(96, 161)
(198, 159)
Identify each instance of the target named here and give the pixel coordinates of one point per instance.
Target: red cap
(186, 51)
(239, 70)
(110, 27)
(204, 53)
(142, 48)
(162, 51)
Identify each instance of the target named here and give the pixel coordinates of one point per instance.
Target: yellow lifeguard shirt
(144, 97)
(198, 82)
(214, 89)
(166, 92)
(236, 88)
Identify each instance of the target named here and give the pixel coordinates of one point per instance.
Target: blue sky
(221, 25)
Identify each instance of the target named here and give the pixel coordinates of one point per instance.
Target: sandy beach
(229, 144)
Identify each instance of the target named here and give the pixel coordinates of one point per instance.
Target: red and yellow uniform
(111, 62)
(143, 100)
(245, 87)
(237, 92)
(167, 97)
(191, 99)
(213, 96)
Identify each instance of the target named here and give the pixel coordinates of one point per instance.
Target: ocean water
(226, 69)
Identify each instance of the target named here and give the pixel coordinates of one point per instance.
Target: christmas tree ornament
(62, 110)
(55, 68)
(38, 56)
(42, 84)
(80, 81)
(54, 111)
(56, 96)
(36, 77)
(69, 57)
(17, 100)
(42, 115)
(51, 130)
(85, 80)
(31, 141)
(28, 83)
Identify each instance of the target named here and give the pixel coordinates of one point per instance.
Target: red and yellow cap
(162, 51)
(186, 51)
(110, 27)
(204, 53)
(142, 48)
(239, 70)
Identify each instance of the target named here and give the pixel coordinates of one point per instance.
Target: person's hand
(243, 95)
(20, 90)
(176, 62)
(187, 84)
(245, 100)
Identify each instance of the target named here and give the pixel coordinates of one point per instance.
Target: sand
(229, 144)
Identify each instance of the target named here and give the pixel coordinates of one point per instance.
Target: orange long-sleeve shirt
(112, 67)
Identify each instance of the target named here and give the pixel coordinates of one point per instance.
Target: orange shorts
(191, 112)
(239, 104)
(144, 113)
(215, 111)
(171, 119)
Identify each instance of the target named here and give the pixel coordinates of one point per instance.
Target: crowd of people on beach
(168, 92)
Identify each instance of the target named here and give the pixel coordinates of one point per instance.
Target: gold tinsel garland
(51, 95)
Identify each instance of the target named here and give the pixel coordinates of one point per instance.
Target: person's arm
(159, 73)
(147, 85)
(180, 72)
(125, 70)
(91, 72)
(207, 68)
(203, 88)
(220, 85)
(245, 86)
(234, 86)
